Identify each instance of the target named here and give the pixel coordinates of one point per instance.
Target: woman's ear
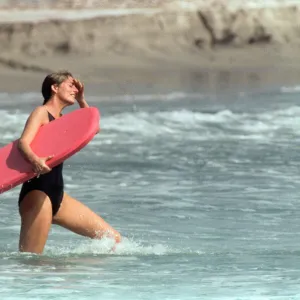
(54, 88)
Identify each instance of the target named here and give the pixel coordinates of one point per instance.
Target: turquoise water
(204, 188)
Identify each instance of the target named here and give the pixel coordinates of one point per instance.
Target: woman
(42, 200)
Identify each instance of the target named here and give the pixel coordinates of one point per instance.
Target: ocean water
(204, 189)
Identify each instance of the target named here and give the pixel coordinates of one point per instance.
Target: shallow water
(204, 188)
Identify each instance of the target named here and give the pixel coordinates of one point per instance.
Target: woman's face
(67, 91)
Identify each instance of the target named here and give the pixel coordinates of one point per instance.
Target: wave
(11, 125)
(205, 124)
(173, 124)
(290, 89)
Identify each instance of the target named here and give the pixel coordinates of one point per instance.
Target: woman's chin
(70, 101)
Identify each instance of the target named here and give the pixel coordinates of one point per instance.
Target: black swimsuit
(52, 184)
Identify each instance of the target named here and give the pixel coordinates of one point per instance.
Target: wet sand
(107, 73)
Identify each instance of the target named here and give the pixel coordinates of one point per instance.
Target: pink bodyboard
(62, 138)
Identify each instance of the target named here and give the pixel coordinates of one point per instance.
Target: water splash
(105, 246)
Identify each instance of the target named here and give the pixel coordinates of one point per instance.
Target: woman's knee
(109, 233)
(117, 237)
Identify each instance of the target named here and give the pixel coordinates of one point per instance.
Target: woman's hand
(80, 87)
(39, 165)
(80, 94)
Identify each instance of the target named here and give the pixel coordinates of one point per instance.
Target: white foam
(105, 246)
(223, 124)
(195, 125)
(290, 89)
(11, 125)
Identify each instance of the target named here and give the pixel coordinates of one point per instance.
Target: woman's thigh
(78, 218)
(36, 218)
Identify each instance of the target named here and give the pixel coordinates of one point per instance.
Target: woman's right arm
(37, 118)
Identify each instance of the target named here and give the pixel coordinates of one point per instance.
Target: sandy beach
(200, 47)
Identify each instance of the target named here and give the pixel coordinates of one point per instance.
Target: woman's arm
(36, 119)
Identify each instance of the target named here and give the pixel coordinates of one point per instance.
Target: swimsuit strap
(51, 118)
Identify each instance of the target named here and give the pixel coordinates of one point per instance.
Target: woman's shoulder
(40, 112)
(40, 109)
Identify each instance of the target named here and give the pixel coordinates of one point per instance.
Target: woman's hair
(53, 78)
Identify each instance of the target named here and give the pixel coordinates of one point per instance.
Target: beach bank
(213, 46)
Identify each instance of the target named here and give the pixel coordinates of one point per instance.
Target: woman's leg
(36, 218)
(78, 218)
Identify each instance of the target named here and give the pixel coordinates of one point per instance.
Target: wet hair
(53, 78)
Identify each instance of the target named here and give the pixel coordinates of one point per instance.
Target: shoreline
(117, 82)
